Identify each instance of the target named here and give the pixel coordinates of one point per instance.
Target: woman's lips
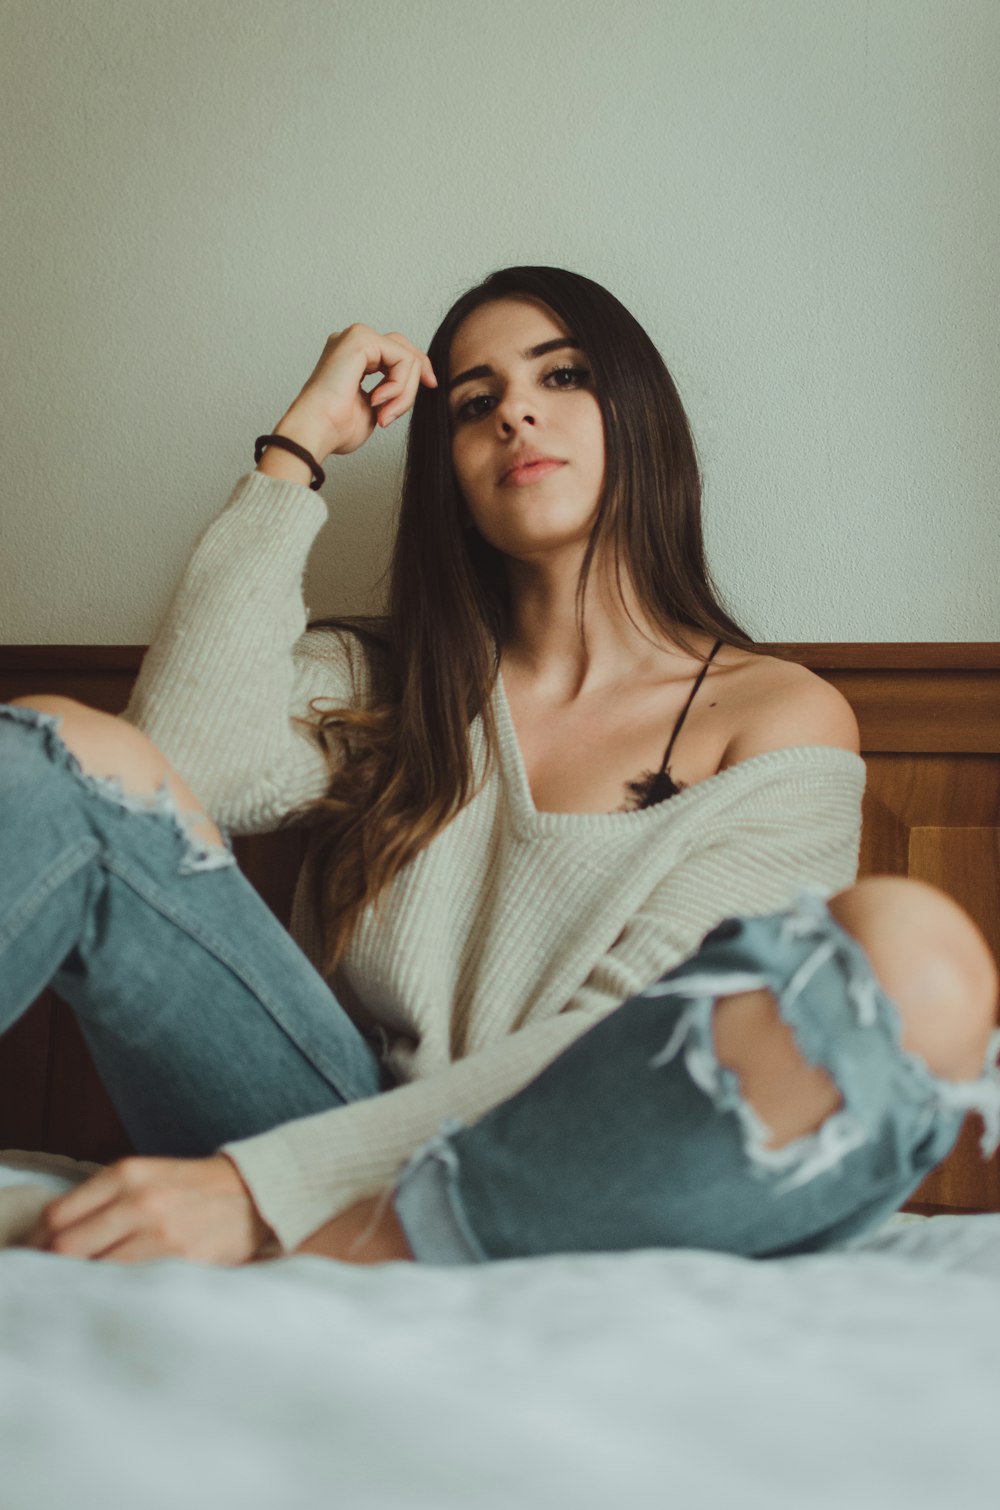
(531, 471)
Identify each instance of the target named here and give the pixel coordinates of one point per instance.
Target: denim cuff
(426, 1207)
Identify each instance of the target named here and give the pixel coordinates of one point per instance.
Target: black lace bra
(656, 786)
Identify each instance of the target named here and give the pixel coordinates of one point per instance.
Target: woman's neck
(546, 653)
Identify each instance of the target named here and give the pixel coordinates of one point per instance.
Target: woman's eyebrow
(526, 356)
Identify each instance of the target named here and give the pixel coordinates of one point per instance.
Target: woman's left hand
(138, 1209)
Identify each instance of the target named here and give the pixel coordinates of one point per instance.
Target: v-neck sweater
(515, 930)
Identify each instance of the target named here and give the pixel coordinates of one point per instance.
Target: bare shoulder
(781, 704)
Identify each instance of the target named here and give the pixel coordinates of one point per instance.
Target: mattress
(861, 1378)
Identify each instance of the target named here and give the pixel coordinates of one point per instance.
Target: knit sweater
(514, 930)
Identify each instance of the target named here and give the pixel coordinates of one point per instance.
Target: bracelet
(284, 444)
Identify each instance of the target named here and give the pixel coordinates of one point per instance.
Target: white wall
(798, 199)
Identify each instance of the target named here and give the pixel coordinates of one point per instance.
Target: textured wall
(798, 201)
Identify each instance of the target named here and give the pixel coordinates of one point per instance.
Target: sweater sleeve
(230, 661)
(804, 828)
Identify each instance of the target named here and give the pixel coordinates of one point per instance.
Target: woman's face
(514, 402)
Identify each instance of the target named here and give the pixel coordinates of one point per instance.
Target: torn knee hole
(129, 767)
(205, 847)
(789, 1095)
(122, 765)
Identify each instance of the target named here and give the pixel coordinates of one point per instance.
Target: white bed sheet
(852, 1381)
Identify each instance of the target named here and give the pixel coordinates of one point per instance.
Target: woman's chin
(534, 535)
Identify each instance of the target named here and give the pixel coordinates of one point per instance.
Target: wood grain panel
(964, 862)
(101, 675)
(25, 1078)
(957, 791)
(271, 863)
(889, 656)
(924, 711)
(885, 839)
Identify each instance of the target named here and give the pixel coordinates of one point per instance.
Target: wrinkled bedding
(861, 1380)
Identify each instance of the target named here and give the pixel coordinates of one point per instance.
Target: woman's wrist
(276, 462)
(306, 431)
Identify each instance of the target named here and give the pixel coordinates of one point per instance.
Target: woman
(553, 979)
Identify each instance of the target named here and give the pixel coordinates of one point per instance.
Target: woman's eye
(468, 409)
(556, 377)
(576, 374)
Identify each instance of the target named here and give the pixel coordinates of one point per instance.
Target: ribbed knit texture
(510, 934)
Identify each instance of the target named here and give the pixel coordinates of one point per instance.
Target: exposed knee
(108, 746)
(103, 744)
(933, 962)
(929, 958)
(790, 1095)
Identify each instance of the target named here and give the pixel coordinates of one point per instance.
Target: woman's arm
(230, 663)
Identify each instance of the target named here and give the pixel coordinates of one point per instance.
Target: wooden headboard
(929, 716)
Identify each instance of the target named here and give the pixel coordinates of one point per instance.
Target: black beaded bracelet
(284, 444)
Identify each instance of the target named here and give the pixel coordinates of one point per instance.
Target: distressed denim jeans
(208, 1024)
(637, 1137)
(205, 1020)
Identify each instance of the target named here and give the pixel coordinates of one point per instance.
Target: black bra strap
(694, 689)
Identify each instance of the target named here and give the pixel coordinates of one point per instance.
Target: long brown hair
(401, 767)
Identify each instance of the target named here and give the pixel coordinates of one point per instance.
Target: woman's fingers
(395, 394)
(407, 368)
(87, 1236)
(399, 375)
(138, 1248)
(385, 391)
(422, 371)
(405, 386)
(410, 390)
(100, 1191)
(200, 1209)
(335, 402)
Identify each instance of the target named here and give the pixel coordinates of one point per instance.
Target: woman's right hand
(333, 414)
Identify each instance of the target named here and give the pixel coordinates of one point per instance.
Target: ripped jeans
(206, 1021)
(208, 1024)
(637, 1137)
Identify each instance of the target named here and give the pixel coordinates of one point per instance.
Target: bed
(858, 1378)
(863, 1380)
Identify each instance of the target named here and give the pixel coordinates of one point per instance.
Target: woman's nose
(514, 409)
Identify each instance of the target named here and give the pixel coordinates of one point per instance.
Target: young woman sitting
(578, 959)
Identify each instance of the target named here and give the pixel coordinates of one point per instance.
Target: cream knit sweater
(515, 930)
